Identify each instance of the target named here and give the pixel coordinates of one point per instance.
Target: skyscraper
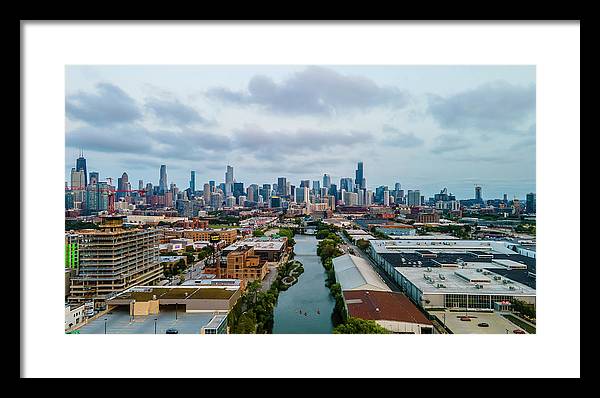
(193, 181)
(94, 177)
(229, 175)
(281, 185)
(141, 185)
(530, 203)
(82, 166)
(413, 198)
(360, 176)
(346, 184)
(123, 185)
(162, 183)
(316, 187)
(326, 180)
(478, 194)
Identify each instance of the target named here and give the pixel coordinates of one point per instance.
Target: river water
(309, 295)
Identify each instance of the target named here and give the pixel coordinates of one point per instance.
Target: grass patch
(522, 324)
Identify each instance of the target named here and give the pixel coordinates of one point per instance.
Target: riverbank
(306, 306)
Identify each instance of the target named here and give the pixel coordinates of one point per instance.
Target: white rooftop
(356, 273)
(457, 246)
(463, 281)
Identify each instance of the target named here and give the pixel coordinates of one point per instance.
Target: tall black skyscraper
(81, 165)
(359, 180)
(193, 181)
(478, 197)
(162, 182)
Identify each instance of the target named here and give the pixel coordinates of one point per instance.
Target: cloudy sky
(427, 127)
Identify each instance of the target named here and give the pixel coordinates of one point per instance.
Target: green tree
(362, 244)
(258, 233)
(359, 326)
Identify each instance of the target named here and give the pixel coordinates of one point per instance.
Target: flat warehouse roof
(455, 284)
(146, 293)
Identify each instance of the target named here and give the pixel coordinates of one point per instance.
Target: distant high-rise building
(530, 203)
(316, 187)
(505, 198)
(140, 185)
(379, 193)
(478, 194)
(206, 194)
(413, 198)
(386, 197)
(123, 185)
(346, 184)
(304, 183)
(326, 180)
(360, 175)
(281, 186)
(162, 182)
(81, 165)
(229, 175)
(238, 189)
(212, 185)
(276, 201)
(350, 198)
(333, 190)
(193, 181)
(94, 177)
(369, 198)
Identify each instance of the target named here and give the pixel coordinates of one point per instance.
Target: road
(195, 270)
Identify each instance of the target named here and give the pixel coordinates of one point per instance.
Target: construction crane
(111, 194)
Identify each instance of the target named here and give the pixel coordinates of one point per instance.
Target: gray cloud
(109, 106)
(394, 136)
(174, 112)
(136, 140)
(449, 143)
(497, 106)
(255, 138)
(314, 91)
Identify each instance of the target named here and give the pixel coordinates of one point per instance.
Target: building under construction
(112, 259)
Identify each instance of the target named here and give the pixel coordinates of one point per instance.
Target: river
(309, 295)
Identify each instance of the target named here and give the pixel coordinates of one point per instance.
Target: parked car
(172, 331)
(483, 325)
(518, 331)
(465, 318)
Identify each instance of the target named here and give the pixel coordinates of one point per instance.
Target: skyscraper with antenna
(81, 166)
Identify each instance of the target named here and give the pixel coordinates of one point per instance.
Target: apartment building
(229, 235)
(243, 263)
(112, 259)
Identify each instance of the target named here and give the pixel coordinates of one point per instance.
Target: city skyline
(427, 127)
(478, 191)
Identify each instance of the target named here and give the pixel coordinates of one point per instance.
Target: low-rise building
(355, 273)
(393, 311)
(267, 248)
(229, 235)
(74, 315)
(243, 263)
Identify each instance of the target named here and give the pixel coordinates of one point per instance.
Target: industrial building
(147, 300)
(456, 273)
(355, 273)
